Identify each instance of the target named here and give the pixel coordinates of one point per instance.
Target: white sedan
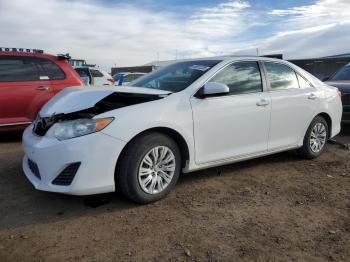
(184, 117)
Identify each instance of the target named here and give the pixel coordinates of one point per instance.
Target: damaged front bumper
(94, 157)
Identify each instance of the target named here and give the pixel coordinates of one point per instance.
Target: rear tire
(315, 139)
(149, 168)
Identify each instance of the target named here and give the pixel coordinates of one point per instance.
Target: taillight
(111, 80)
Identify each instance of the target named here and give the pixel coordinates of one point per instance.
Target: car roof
(27, 54)
(6, 51)
(129, 73)
(232, 58)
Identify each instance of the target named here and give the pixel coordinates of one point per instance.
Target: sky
(128, 33)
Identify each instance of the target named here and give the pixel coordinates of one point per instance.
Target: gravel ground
(277, 208)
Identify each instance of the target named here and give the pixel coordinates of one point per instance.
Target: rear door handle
(312, 96)
(263, 102)
(42, 88)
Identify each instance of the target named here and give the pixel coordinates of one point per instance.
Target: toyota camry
(187, 116)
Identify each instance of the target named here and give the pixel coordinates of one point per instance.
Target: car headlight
(80, 127)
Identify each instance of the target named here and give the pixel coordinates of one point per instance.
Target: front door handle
(263, 102)
(42, 88)
(312, 96)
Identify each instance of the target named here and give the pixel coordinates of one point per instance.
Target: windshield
(176, 77)
(342, 74)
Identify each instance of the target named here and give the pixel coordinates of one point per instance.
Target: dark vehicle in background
(28, 79)
(341, 80)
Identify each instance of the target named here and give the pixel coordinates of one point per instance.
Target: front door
(234, 125)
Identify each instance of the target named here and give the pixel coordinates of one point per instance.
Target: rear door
(54, 73)
(22, 89)
(234, 125)
(293, 103)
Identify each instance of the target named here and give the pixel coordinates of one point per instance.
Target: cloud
(314, 30)
(117, 33)
(132, 34)
(225, 19)
(310, 42)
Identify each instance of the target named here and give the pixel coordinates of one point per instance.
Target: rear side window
(240, 77)
(15, 69)
(281, 76)
(96, 73)
(51, 69)
(303, 83)
(129, 78)
(82, 72)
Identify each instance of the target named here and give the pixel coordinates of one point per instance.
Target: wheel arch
(328, 120)
(175, 135)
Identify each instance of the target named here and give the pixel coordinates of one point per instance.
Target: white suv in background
(92, 76)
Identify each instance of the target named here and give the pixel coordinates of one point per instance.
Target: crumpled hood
(75, 99)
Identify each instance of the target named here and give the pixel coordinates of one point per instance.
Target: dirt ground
(277, 208)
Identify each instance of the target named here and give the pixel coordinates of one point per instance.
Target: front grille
(66, 177)
(34, 168)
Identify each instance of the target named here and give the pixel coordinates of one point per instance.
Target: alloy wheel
(156, 170)
(318, 137)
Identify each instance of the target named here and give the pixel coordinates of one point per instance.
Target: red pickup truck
(28, 79)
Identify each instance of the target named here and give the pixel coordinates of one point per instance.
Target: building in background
(79, 63)
(320, 67)
(132, 69)
(324, 66)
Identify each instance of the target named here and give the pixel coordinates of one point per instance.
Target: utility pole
(257, 52)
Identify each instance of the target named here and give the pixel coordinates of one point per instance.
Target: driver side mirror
(212, 89)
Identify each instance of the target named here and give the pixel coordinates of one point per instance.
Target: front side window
(281, 76)
(14, 69)
(176, 77)
(240, 77)
(342, 74)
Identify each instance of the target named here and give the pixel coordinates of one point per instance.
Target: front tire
(315, 139)
(149, 168)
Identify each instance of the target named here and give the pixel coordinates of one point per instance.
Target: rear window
(15, 69)
(130, 78)
(82, 72)
(96, 73)
(50, 69)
